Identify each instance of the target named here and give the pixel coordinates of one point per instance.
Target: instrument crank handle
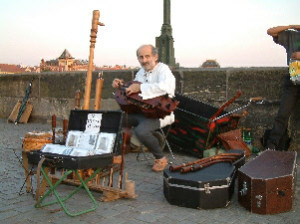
(258, 100)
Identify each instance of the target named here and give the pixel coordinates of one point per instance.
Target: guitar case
(208, 188)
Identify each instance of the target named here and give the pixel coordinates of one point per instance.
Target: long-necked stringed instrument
(88, 81)
(157, 107)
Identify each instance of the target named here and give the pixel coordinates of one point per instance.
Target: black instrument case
(111, 122)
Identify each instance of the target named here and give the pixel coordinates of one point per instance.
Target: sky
(233, 32)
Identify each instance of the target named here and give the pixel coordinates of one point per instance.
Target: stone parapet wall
(54, 93)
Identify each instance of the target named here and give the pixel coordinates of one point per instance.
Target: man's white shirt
(158, 82)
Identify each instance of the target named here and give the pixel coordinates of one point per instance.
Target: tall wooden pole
(88, 83)
(98, 93)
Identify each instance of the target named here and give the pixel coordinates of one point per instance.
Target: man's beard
(147, 66)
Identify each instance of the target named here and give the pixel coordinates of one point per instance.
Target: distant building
(210, 63)
(15, 69)
(65, 62)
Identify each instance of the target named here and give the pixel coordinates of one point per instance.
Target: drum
(294, 70)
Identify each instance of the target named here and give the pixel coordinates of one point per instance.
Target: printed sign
(93, 123)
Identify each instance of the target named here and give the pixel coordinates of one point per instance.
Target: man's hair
(154, 49)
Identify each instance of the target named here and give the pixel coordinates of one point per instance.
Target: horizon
(234, 33)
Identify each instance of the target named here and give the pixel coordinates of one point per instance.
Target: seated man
(156, 80)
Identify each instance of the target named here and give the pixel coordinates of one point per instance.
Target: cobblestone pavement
(17, 206)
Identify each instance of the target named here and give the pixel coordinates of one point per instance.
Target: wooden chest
(266, 185)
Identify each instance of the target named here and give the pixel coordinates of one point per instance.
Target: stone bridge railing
(54, 93)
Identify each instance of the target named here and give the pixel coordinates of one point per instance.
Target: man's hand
(295, 55)
(275, 30)
(133, 88)
(117, 83)
(295, 27)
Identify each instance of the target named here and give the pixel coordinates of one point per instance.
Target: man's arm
(275, 30)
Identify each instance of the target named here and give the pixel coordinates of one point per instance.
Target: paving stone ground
(17, 206)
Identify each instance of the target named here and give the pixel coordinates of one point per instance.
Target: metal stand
(62, 200)
(146, 158)
(162, 137)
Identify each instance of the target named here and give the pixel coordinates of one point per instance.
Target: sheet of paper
(93, 123)
(72, 138)
(105, 143)
(87, 141)
(56, 149)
